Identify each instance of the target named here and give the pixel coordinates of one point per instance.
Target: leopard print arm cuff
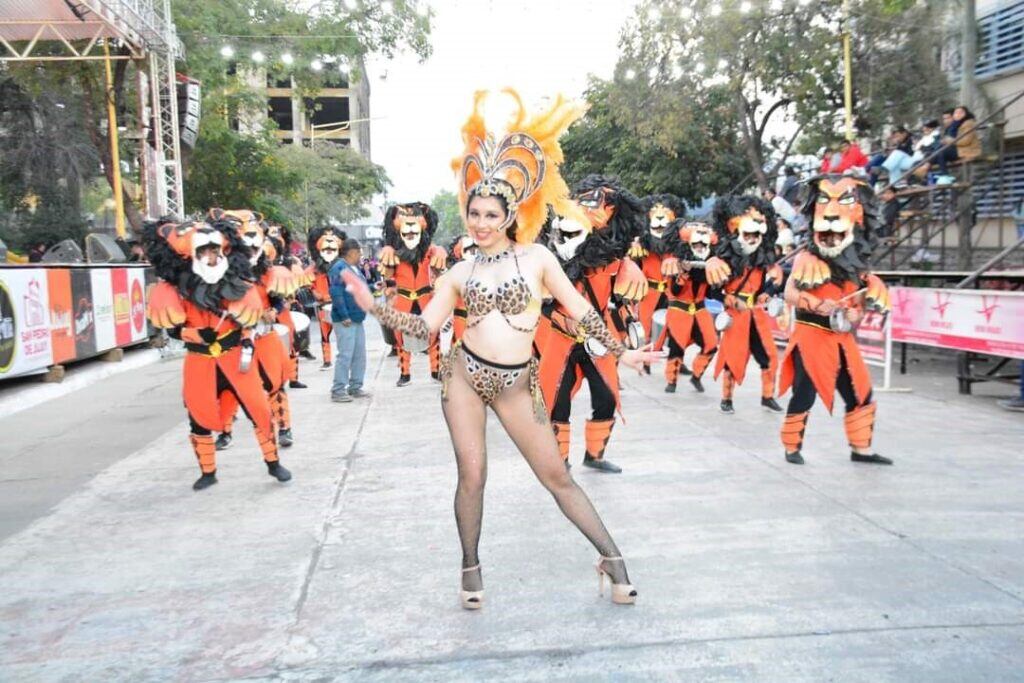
(594, 326)
(407, 323)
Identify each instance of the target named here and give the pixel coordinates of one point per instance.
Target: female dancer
(505, 189)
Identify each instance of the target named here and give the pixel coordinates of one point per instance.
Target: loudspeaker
(64, 252)
(101, 248)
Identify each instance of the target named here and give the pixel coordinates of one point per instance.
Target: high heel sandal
(622, 593)
(471, 599)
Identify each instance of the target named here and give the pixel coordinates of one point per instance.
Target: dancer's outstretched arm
(423, 325)
(558, 283)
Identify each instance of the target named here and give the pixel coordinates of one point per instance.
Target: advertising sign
(84, 320)
(24, 322)
(983, 321)
(103, 308)
(62, 331)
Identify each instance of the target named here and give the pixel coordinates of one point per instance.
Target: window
(1001, 41)
(281, 112)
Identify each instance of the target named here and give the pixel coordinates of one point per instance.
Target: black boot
(223, 441)
(795, 458)
(403, 380)
(284, 438)
(771, 404)
(726, 406)
(278, 471)
(697, 384)
(206, 481)
(873, 459)
(670, 388)
(296, 384)
(602, 464)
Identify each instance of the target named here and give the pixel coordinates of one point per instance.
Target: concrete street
(748, 568)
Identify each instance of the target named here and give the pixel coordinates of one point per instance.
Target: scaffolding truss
(72, 30)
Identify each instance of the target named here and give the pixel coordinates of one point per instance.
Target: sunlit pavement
(748, 568)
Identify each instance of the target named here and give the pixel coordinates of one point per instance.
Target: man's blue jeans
(350, 365)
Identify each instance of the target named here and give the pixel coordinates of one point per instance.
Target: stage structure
(83, 30)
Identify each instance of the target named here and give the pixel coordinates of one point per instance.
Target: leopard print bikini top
(511, 297)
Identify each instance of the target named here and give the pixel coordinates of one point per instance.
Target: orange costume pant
(820, 362)
(207, 381)
(749, 334)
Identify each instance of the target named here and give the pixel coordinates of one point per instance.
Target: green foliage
(694, 157)
(333, 183)
(778, 62)
(235, 171)
(449, 217)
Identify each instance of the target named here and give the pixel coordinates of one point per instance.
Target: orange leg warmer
(768, 383)
(597, 434)
(206, 452)
(268, 445)
(672, 369)
(728, 384)
(228, 410)
(700, 364)
(860, 425)
(280, 409)
(793, 431)
(561, 430)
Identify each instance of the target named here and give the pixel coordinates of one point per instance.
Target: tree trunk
(751, 141)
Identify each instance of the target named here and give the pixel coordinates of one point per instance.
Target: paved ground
(748, 568)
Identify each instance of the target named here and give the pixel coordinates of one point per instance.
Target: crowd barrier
(50, 315)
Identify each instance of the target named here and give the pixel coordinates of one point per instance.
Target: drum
(414, 344)
(594, 348)
(634, 335)
(722, 321)
(284, 334)
(301, 321)
(658, 324)
(776, 306)
(838, 321)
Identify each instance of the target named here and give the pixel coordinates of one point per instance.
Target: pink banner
(985, 321)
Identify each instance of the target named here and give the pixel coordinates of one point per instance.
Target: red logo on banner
(988, 308)
(942, 302)
(138, 306)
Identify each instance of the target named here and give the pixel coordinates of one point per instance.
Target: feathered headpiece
(521, 167)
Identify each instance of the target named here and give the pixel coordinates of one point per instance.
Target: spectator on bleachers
(850, 159)
(790, 189)
(898, 162)
(967, 148)
(890, 211)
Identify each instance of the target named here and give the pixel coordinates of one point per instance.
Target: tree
(693, 158)
(781, 61)
(449, 217)
(334, 184)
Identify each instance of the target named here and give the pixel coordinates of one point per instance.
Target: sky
(538, 47)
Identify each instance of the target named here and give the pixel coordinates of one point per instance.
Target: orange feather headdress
(521, 167)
